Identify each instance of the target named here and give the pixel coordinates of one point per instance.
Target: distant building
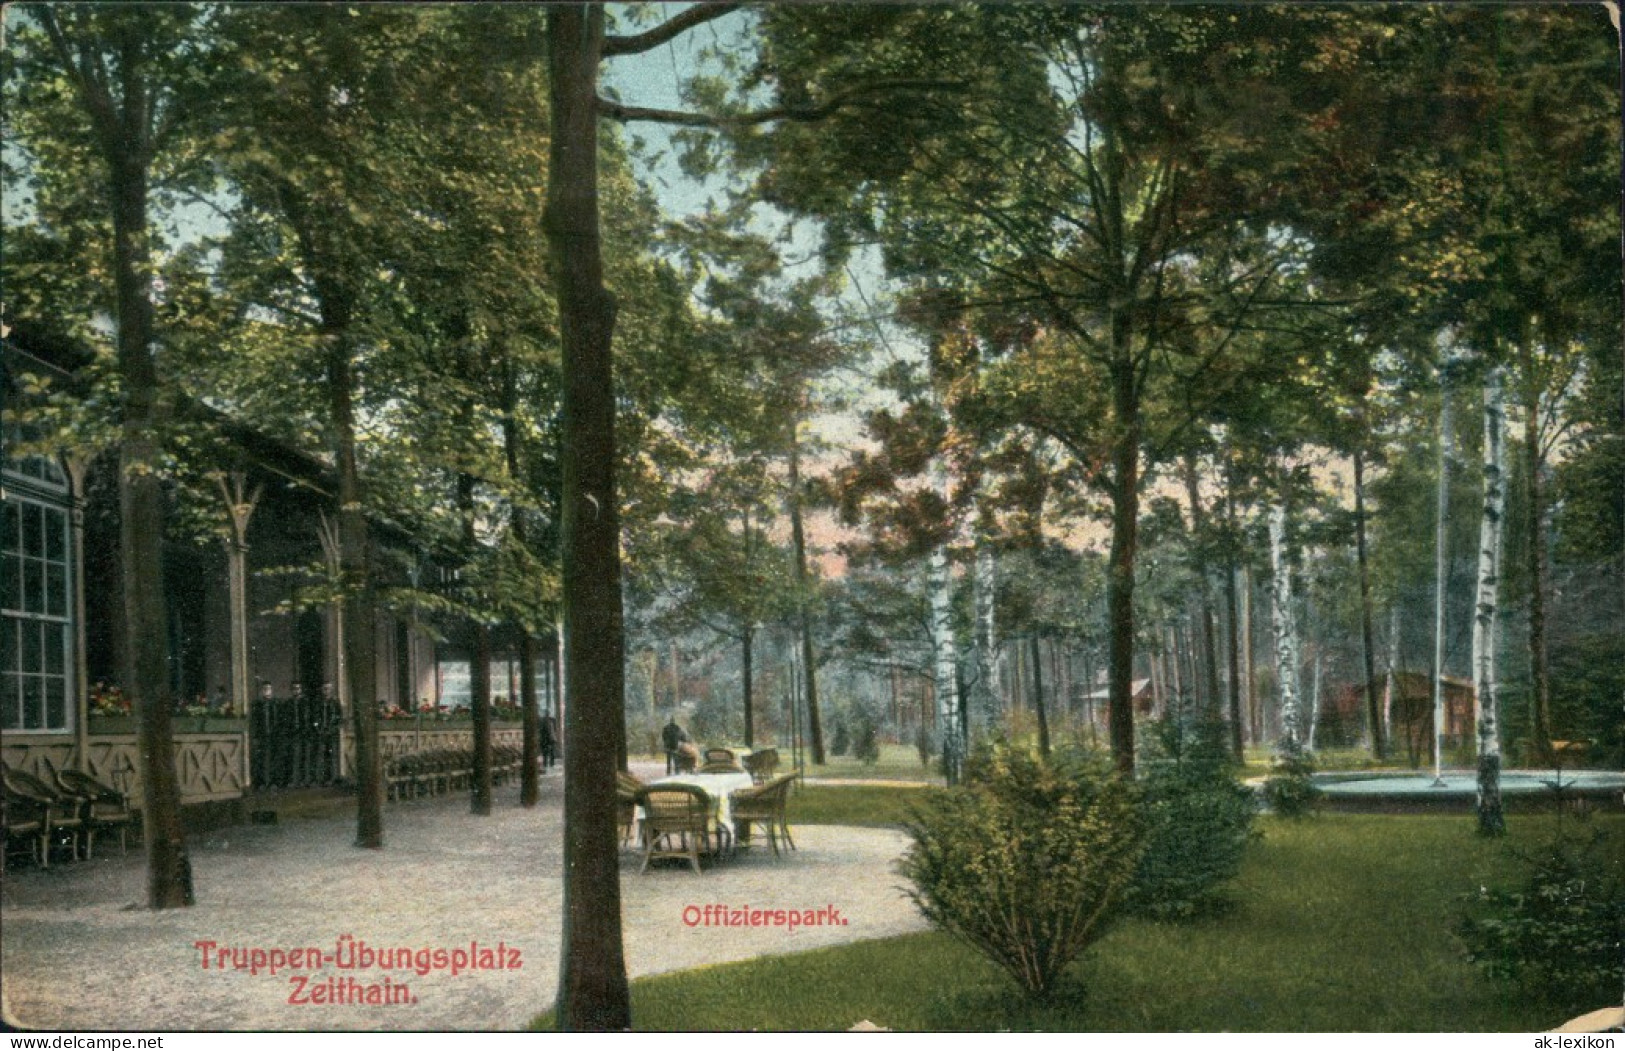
(1407, 698)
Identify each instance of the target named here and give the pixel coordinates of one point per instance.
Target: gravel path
(75, 953)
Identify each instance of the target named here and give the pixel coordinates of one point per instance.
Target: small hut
(1407, 700)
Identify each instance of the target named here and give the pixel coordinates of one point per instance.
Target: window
(35, 617)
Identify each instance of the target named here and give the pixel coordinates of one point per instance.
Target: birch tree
(1491, 819)
(945, 648)
(1286, 631)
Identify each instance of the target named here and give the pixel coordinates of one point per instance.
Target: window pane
(9, 712)
(33, 538)
(31, 648)
(56, 637)
(11, 588)
(56, 589)
(33, 704)
(33, 584)
(56, 704)
(56, 548)
(11, 537)
(8, 643)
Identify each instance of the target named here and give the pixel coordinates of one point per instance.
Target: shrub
(1198, 819)
(1290, 789)
(1026, 861)
(925, 745)
(866, 741)
(842, 740)
(1561, 938)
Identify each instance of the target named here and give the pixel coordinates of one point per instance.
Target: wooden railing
(213, 765)
(210, 766)
(394, 742)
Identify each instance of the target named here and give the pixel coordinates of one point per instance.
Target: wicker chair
(65, 813)
(108, 808)
(688, 758)
(627, 787)
(721, 761)
(677, 821)
(761, 763)
(764, 805)
(25, 819)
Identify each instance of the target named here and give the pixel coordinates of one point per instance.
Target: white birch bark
(942, 641)
(1286, 632)
(984, 582)
(1314, 700)
(1392, 677)
(1249, 703)
(1491, 819)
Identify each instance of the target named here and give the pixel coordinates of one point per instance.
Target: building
(255, 655)
(1407, 700)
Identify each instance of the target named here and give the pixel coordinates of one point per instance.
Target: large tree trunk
(1491, 818)
(141, 540)
(592, 971)
(530, 752)
(1286, 632)
(356, 608)
(479, 683)
(1232, 621)
(1250, 698)
(1540, 694)
(809, 666)
(356, 605)
(1039, 706)
(946, 661)
(1368, 645)
(1204, 592)
(123, 126)
(1125, 499)
(746, 681)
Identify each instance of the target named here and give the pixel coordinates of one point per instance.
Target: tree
(1284, 618)
(592, 979)
(1491, 819)
(592, 973)
(134, 72)
(312, 148)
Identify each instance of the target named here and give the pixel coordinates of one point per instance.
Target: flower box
(215, 724)
(114, 724)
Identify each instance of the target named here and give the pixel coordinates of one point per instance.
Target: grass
(897, 762)
(870, 805)
(1342, 923)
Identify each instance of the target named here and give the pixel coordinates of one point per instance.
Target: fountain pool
(1519, 788)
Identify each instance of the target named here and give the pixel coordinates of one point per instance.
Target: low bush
(1026, 861)
(1560, 938)
(1290, 789)
(1198, 820)
(842, 741)
(866, 741)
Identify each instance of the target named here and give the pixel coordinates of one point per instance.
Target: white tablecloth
(717, 786)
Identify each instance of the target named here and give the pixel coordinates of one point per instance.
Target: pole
(1440, 543)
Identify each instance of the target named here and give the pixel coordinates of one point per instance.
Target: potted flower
(110, 710)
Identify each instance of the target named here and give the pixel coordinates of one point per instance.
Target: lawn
(897, 762)
(855, 804)
(1341, 923)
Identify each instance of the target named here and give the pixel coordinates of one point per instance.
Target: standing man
(548, 742)
(671, 737)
